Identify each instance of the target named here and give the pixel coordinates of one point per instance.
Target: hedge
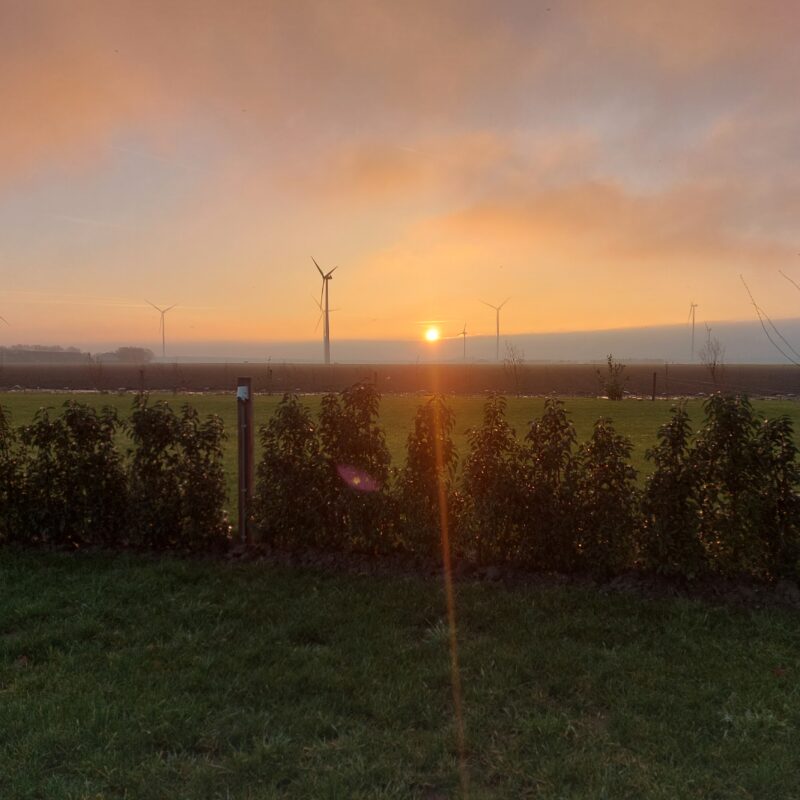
(721, 501)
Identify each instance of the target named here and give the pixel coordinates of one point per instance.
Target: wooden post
(654, 386)
(244, 405)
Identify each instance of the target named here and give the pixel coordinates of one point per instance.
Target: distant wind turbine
(3, 319)
(692, 308)
(497, 310)
(464, 334)
(326, 330)
(162, 326)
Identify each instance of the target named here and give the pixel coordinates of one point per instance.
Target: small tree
(712, 357)
(513, 365)
(612, 383)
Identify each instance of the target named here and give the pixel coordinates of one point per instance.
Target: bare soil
(756, 380)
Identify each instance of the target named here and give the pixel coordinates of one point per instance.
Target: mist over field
(743, 342)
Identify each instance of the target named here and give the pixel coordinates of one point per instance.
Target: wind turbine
(326, 329)
(464, 334)
(497, 310)
(162, 326)
(692, 307)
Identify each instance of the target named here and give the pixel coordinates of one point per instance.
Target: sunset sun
(432, 334)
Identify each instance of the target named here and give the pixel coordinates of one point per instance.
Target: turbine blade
(3, 319)
(170, 308)
(319, 319)
(793, 282)
(318, 266)
(503, 303)
(152, 304)
(489, 304)
(328, 276)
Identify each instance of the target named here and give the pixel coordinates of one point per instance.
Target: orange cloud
(611, 157)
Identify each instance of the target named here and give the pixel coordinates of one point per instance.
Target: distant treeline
(44, 354)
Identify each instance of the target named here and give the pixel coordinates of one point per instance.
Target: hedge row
(723, 500)
(64, 481)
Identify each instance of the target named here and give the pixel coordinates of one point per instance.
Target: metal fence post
(244, 404)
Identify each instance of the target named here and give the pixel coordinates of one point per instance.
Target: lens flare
(432, 334)
(357, 478)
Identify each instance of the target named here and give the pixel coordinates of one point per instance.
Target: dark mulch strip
(739, 592)
(742, 592)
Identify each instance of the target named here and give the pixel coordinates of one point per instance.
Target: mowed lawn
(129, 676)
(637, 419)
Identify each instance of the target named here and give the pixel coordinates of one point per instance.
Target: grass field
(125, 676)
(637, 419)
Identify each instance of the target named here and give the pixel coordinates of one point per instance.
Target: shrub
(75, 490)
(358, 465)
(176, 477)
(670, 542)
(606, 501)
(427, 479)
(493, 502)
(747, 499)
(11, 479)
(776, 453)
(293, 481)
(204, 494)
(547, 456)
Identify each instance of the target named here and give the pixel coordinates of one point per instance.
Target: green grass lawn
(126, 676)
(637, 419)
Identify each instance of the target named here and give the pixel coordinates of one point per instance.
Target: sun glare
(432, 334)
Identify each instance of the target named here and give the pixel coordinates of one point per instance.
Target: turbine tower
(497, 310)
(692, 307)
(464, 334)
(318, 304)
(162, 326)
(326, 328)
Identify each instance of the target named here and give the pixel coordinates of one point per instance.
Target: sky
(603, 164)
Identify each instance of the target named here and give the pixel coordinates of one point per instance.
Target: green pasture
(637, 419)
(156, 678)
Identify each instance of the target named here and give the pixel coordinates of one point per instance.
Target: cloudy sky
(601, 163)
